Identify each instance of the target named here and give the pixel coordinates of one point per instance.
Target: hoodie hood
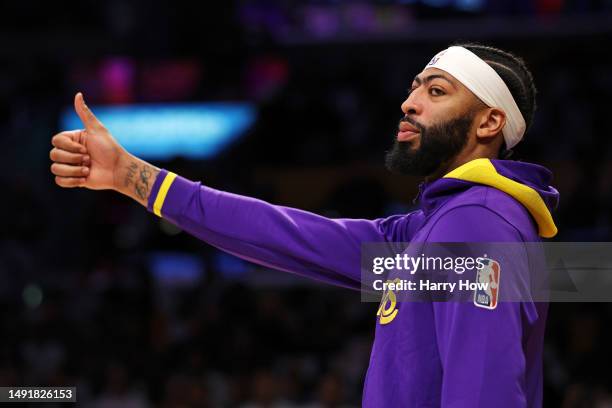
(526, 182)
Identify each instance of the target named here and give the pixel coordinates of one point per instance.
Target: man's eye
(436, 91)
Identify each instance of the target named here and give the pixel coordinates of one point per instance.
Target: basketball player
(469, 106)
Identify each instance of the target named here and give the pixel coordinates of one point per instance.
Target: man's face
(438, 117)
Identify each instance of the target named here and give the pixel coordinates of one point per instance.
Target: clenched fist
(93, 159)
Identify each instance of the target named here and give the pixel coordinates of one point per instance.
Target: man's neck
(457, 161)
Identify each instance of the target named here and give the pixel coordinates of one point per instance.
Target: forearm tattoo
(131, 172)
(141, 178)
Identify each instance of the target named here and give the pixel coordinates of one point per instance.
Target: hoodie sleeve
(481, 350)
(278, 237)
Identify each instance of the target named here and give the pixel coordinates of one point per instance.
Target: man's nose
(411, 105)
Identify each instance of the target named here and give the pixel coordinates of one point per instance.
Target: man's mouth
(407, 132)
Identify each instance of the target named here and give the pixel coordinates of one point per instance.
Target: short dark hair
(515, 74)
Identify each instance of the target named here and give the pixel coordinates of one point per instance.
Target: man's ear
(492, 121)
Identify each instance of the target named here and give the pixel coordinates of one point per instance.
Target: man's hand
(92, 158)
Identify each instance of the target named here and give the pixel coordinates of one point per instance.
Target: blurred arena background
(98, 293)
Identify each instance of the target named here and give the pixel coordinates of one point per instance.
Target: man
(470, 104)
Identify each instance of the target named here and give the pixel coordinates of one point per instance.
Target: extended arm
(279, 237)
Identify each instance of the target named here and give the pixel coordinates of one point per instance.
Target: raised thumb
(85, 114)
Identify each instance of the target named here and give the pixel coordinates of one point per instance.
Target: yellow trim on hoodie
(482, 171)
(161, 194)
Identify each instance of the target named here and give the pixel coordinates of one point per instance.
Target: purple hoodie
(440, 354)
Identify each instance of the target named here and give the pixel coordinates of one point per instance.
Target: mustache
(413, 122)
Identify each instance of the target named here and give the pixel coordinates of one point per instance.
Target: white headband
(486, 84)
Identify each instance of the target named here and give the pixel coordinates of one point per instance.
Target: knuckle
(66, 157)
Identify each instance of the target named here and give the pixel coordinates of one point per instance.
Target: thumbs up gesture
(93, 159)
(87, 157)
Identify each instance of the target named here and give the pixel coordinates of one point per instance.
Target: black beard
(439, 143)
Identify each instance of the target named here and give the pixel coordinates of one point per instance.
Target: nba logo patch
(486, 294)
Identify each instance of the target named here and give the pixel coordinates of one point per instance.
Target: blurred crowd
(82, 300)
